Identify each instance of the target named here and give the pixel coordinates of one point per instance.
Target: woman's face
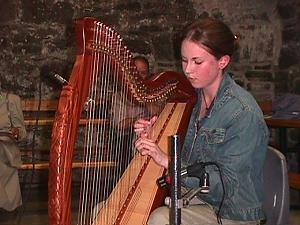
(201, 68)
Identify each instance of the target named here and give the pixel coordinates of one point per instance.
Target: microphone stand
(175, 168)
(176, 202)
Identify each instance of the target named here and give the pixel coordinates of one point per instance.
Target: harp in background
(118, 185)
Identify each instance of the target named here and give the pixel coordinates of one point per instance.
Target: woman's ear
(224, 61)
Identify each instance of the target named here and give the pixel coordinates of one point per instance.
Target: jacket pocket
(213, 135)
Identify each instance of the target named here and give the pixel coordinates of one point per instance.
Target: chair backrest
(276, 188)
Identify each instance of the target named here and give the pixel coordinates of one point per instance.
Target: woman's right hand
(142, 126)
(146, 146)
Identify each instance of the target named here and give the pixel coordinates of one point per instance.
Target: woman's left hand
(142, 126)
(148, 147)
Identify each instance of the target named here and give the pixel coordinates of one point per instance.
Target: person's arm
(17, 117)
(123, 113)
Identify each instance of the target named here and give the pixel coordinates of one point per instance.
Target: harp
(128, 196)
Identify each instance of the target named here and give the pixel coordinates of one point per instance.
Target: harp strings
(96, 195)
(99, 181)
(89, 181)
(116, 141)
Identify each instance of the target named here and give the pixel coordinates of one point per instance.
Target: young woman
(226, 128)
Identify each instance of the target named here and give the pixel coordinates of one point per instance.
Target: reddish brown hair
(213, 34)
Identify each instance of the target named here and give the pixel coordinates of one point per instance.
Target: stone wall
(37, 37)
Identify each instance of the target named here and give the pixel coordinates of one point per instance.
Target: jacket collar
(224, 93)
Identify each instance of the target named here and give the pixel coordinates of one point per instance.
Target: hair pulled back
(213, 34)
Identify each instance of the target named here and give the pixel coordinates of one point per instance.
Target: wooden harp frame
(171, 86)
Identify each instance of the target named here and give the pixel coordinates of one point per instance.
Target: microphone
(166, 180)
(195, 170)
(59, 78)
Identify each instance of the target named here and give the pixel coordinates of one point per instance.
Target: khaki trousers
(198, 213)
(10, 160)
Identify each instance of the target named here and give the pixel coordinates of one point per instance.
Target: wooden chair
(42, 113)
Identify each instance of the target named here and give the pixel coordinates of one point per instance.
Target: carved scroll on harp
(126, 192)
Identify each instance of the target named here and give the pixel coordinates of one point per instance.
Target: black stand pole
(175, 168)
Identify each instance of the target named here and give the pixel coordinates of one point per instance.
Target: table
(282, 125)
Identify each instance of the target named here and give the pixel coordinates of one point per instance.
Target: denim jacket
(234, 135)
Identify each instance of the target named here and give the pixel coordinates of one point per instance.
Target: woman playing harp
(114, 174)
(226, 132)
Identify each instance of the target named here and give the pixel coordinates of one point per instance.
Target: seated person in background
(124, 111)
(142, 65)
(226, 128)
(12, 130)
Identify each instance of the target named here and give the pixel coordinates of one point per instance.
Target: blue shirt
(234, 135)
